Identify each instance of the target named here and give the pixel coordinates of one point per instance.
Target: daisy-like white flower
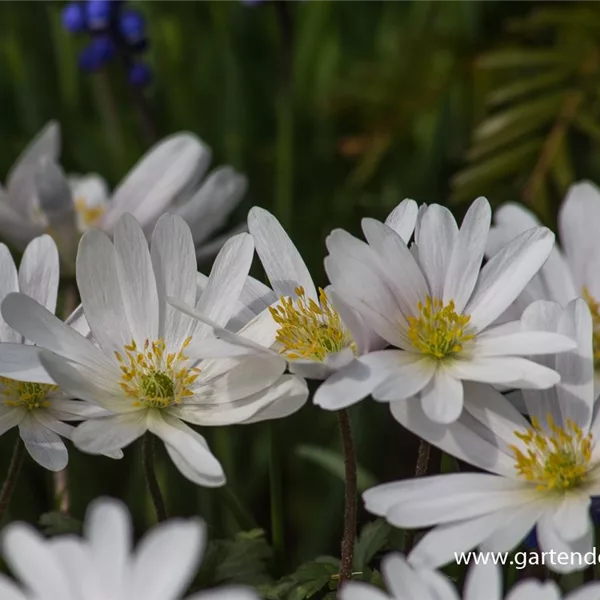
(483, 582)
(315, 331)
(103, 565)
(542, 473)
(436, 304)
(570, 271)
(29, 398)
(139, 368)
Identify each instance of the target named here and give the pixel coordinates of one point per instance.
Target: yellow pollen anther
(438, 330)
(153, 377)
(556, 458)
(308, 330)
(595, 310)
(25, 393)
(89, 214)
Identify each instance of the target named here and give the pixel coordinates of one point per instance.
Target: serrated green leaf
(333, 462)
(526, 85)
(520, 57)
(372, 538)
(57, 523)
(308, 589)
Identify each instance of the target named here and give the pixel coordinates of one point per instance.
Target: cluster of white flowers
(413, 316)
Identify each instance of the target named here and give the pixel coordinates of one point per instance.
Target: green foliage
(58, 523)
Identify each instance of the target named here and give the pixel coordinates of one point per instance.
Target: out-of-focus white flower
(39, 198)
(570, 271)
(483, 582)
(140, 368)
(544, 472)
(103, 565)
(29, 398)
(436, 304)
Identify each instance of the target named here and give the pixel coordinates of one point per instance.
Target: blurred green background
(335, 111)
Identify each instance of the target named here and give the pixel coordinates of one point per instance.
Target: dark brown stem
(420, 470)
(350, 509)
(8, 487)
(151, 480)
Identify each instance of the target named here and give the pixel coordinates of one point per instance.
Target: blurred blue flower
(132, 26)
(99, 13)
(140, 74)
(94, 56)
(73, 17)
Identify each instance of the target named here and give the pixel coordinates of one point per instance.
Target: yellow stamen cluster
(438, 330)
(556, 458)
(153, 377)
(308, 330)
(595, 310)
(89, 214)
(25, 393)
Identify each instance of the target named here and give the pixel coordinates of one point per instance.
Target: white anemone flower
(103, 563)
(436, 304)
(571, 270)
(314, 330)
(541, 473)
(138, 368)
(483, 582)
(29, 398)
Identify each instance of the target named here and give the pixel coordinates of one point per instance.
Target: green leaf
(520, 57)
(526, 85)
(449, 464)
(373, 537)
(333, 462)
(57, 523)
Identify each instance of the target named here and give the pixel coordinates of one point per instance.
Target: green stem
(151, 480)
(284, 171)
(420, 470)
(276, 496)
(350, 509)
(10, 482)
(245, 519)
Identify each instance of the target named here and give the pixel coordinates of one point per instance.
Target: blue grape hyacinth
(114, 30)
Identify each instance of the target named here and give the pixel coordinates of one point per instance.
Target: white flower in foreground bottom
(29, 398)
(315, 331)
(103, 566)
(140, 369)
(483, 582)
(569, 272)
(436, 306)
(545, 473)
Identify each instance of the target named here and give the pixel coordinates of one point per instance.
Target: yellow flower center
(153, 377)
(595, 310)
(25, 393)
(89, 214)
(558, 459)
(438, 330)
(310, 330)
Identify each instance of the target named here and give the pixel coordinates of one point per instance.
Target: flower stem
(276, 497)
(245, 519)
(153, 487)
(420, 470)
(8, 487)
(350, 509)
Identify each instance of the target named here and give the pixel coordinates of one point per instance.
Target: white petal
(521, 343)
(9, 282)
(572, 517)
(136, 279)
(187, 449)
(483, 581)
(589, 591)
(402, 581)
(166, 560)
(359, 590)
(435, 241)
(9, 591)
(279, 257)
(44, 446)
(505, 275)
(442, 398)
(22, 362)
(110, 433)
(467, 254)
(39, 271)
(227, 592)
(10, 418)
(410, 374)
(403, 219)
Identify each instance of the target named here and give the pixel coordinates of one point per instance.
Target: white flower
(103, 565)
(483, 582)
(314, 330)
(435, 304)
(20, 218)
(29, 398)
(139, 369)
(544, 473)
(569, 272)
